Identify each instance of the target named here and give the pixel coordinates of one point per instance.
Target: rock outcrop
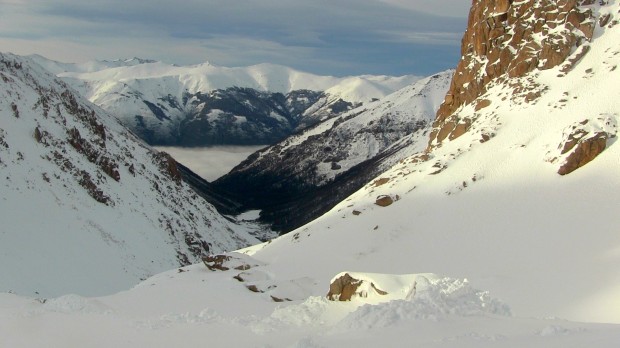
(583, 152)
(584, 141)
(345, 288)
(508, 39)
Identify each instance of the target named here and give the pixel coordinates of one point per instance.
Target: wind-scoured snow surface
(85, 206)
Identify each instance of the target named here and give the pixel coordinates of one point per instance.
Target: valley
(475, 207)
(211, 162)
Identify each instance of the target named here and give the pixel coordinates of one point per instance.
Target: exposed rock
(380, 181)
(225, 262)
(483, 103)
(584, 141)
(583, 151)
(253, 288)
(15, 110)
(343, 288)
(384, 201)
(169, 166)
(216, 262)
(277, 299)
(503, 40)
(346, 287)
(604, 19)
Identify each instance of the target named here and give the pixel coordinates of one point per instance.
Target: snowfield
(195, 306)
(481, 243)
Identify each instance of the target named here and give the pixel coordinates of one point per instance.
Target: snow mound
(405, 297)
(435, 298)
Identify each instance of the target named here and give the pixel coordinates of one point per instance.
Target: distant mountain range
(211, 105)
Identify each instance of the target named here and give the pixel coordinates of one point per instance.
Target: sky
(327, 37)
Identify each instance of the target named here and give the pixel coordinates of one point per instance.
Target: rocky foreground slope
(86, 207)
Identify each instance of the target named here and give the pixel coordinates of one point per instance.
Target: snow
(45, 209)
(101, 80)
(215, 309)
(128, 88)
(503, 251)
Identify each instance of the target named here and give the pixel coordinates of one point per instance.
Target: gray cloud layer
(336, 37)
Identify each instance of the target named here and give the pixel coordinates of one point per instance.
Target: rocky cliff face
(507, 39)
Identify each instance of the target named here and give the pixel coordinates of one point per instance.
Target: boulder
(344, 288)
(583, 151)
(384, 201)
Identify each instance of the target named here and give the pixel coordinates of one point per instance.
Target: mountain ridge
(165, 104)
(303, 176)
(98, 195)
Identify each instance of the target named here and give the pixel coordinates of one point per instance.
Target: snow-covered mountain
(516, 191)
(206, 104)
(302, 177)
(86, 207)
(490, 198)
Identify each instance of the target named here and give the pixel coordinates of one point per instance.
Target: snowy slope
(85, 206)
(206, 77)
(488, 206)
(215, 309)
(86, 67)
(161, 102)
(301, 177)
